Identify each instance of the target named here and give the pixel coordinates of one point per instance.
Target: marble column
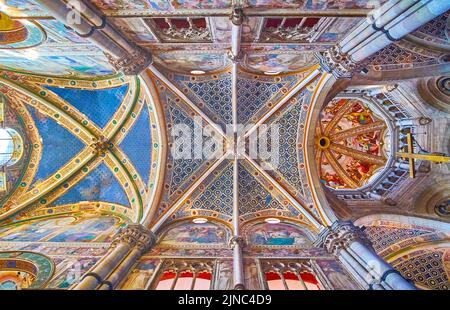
(385, 25)
(124, 55)
(237, 244)
(349, 244)
(128, 245)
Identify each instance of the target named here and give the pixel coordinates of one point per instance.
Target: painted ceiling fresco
(89, 141)
(351, 143)
(96, 144)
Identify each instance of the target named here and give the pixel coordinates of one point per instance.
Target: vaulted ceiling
(98, 141)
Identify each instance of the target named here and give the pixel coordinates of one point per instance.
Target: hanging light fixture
(200, 220)
(197, 72)
(272, 220)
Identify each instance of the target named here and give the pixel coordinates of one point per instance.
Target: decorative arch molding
(405, 221)
(327, 88)
(39, 266)
(436, 92)
(435, 193)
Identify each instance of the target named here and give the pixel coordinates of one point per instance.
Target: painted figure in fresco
(251, 279)
(137, 280)
(224, 281)
(140, 276)
(368, 142)
(195, 233)
(15, 280)
(358, 170)
(358, 115)
(335, 274)
(87, 230)
(332, 109)
(277, 234)
(332, 180)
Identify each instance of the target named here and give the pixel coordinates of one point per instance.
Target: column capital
(336, 63)
(340, 235)
(135, 235)
(236, 240)
(237, 16)
(235, 58)
(132, 64)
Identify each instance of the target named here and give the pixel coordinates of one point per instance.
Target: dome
(351, 144)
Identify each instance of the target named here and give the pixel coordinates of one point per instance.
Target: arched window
(182, 275)
(10, 147)
(290, 275)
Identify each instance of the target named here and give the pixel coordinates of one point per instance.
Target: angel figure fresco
(359, 115)
(358, 170)
(369, 143)
(332, 180)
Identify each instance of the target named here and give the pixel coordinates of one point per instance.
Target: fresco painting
(136, 29)
(35, 231)
(15, 280)
(196, 234)
(357, 114)
(22, 8)
(83, 66)
(273, 63)
(72, 230)
(278, 234)
(73, 269)
(139, 278)
(88, 230)
(336, 275)
(185, 62)
(316, 4)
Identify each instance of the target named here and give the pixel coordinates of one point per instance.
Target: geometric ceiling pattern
(206, 98)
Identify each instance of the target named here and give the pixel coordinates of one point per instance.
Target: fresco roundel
(352, 144)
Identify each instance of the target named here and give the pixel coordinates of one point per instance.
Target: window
(181, 275)
(290, 275)
(6, 147)
(292, 29)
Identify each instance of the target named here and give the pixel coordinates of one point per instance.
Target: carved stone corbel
(237, 240)
(132, 64)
